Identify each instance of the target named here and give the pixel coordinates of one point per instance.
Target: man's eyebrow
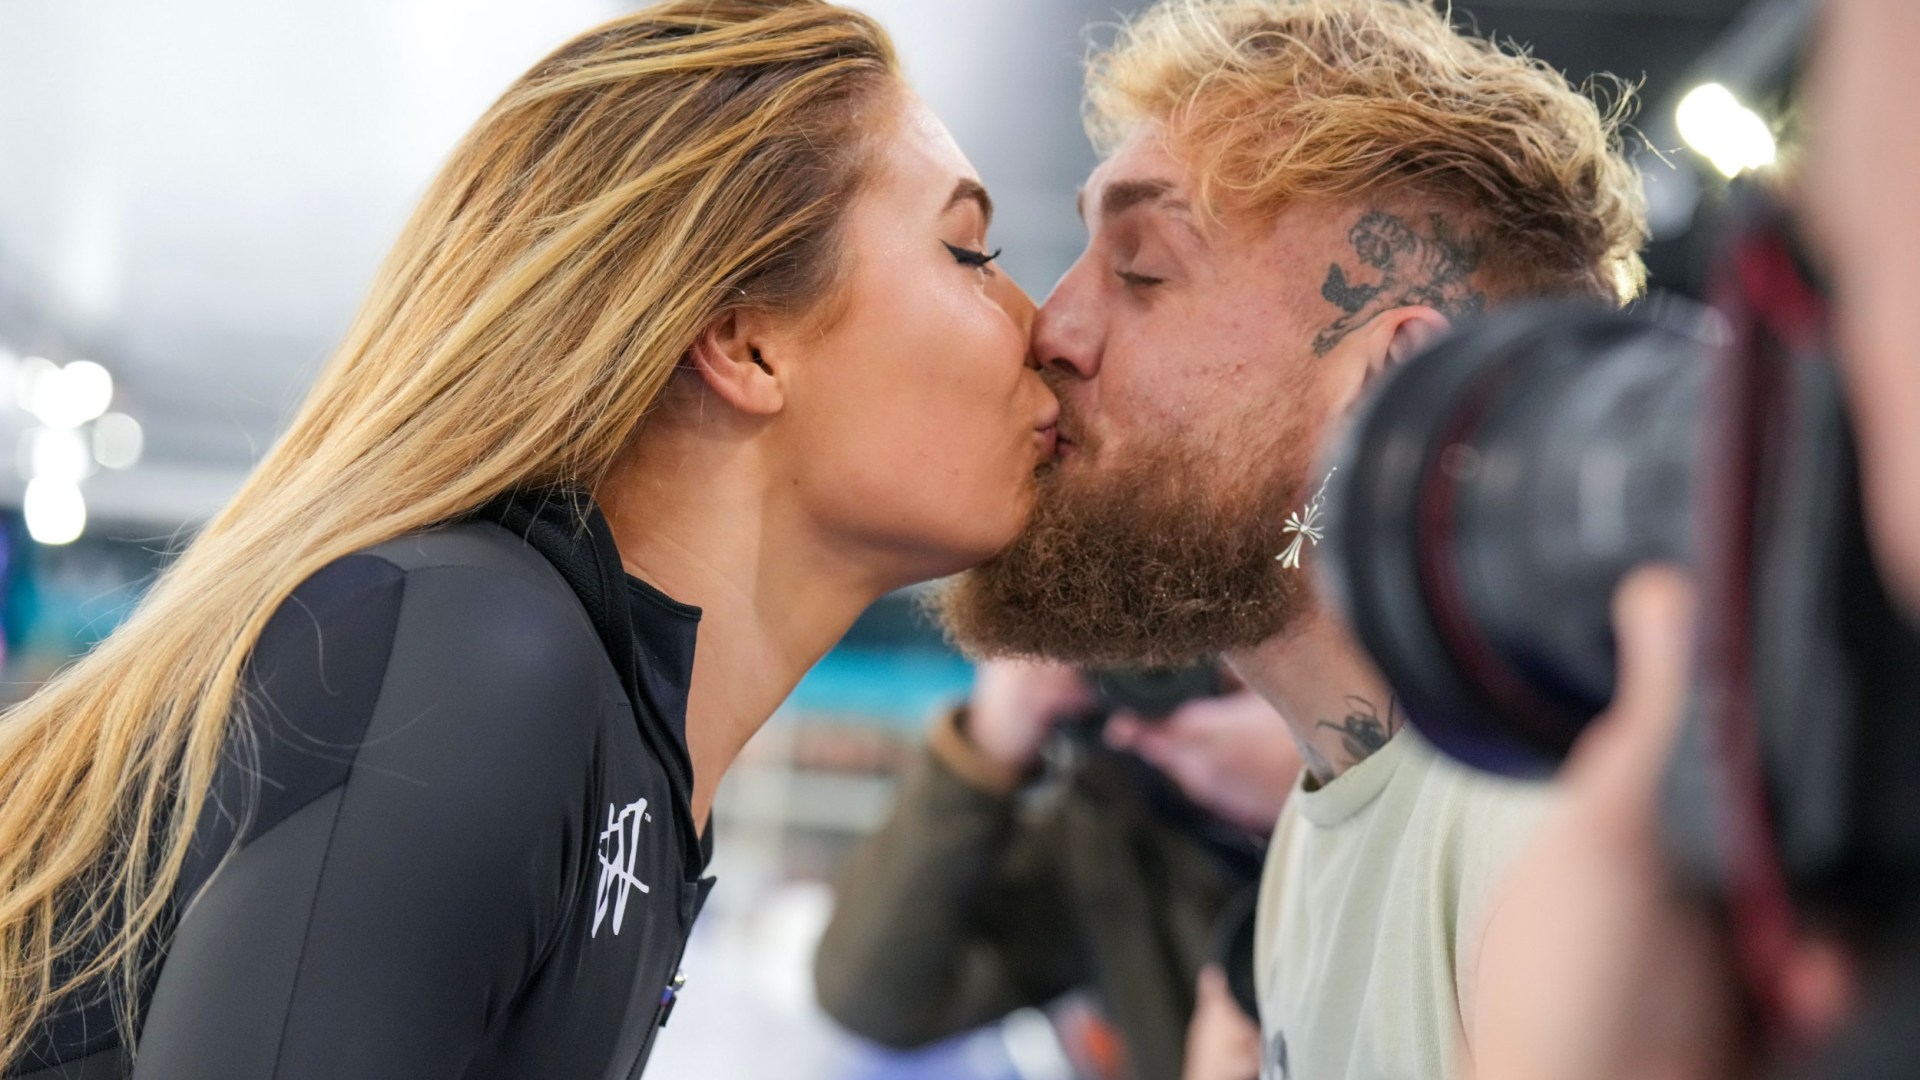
(969, 189)
(1123, 195)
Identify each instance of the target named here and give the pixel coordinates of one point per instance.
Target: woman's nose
(1014, 300)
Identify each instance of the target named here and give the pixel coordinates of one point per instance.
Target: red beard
(1161, 561)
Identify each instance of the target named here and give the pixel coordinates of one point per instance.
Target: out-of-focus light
(55, 510)
(90, 386)
(70, 396)
(9, 363)
(57, 454)
(118, 441)
(1724, 131)
(27, 377)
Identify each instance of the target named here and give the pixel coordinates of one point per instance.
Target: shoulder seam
(326, 859)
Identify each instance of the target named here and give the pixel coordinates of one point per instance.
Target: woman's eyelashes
(979, 260)
(1138, 281)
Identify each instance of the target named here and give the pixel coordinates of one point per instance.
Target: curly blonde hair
(1272, 102)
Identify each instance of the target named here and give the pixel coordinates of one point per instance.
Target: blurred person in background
(998, 885)
(403, 769)
(1605, 964)
(1297, 195)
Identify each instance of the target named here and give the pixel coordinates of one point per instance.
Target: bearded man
(1296, 195)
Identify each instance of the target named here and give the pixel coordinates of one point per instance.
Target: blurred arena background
(193, 195)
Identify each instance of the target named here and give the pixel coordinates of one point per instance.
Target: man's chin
(1132, 572)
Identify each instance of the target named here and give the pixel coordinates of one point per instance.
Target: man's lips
(1049, 439)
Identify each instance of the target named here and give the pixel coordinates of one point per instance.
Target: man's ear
(740, 364)
(1387, 340)
(1406, 332)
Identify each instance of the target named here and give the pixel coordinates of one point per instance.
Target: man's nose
(1067, 335)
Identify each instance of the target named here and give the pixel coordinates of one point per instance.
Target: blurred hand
(1865, 212)
(1223, 1043)
(1015, 705)
(1593, 965)
(1232, 755)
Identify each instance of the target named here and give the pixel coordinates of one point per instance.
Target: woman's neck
(698, 518)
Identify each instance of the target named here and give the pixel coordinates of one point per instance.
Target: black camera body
(1491, 494)
(1153, 694)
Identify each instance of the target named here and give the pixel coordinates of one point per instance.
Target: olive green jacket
(976, 899)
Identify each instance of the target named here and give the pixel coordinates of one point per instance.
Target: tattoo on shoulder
(1432, 268)
(1364, 731)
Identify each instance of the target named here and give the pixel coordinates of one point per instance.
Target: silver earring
(1305, 526)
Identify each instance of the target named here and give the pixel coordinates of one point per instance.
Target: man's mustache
(1069, 425)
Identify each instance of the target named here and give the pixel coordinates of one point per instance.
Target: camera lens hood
(1389, 564)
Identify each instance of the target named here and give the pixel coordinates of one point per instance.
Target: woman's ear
(740, 364)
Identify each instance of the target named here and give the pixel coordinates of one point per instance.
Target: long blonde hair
(691, 158)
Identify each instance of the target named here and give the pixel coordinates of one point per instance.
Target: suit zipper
(661, 1013)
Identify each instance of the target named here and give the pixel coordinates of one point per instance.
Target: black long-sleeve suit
(464, 848)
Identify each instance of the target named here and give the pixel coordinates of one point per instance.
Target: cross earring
(1305, 525)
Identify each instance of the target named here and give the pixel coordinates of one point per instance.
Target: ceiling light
(56, 512)
(118, 441)
(57, 454)
(1724, 131)
(27, 376)
(70, 396)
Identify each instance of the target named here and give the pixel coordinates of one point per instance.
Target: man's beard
(1166, 560)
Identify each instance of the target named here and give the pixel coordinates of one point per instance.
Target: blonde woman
(693, 350)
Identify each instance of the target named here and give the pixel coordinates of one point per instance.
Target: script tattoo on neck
(1363, 731)
(1433, 268)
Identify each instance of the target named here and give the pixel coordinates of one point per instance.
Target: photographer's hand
(1223, 1042)
(1594, 965)
(1231, 755)
(1016, 704)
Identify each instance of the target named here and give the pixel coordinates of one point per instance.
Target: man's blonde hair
(1272, 102)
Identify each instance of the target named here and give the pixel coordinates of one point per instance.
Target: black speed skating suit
(465, 848)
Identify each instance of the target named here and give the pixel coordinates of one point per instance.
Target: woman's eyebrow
(969, 189)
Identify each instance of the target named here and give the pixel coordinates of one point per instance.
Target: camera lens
(1486, 502)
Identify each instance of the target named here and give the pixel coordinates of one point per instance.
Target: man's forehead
(1140, 172)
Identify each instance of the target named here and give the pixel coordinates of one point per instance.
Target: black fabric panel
(312, 682)
(460, 827)
(232, 970)
(105, 1065)
(648, 635)
(309, 687)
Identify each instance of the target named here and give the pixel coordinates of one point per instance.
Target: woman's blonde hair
(1274, 101)
(692, 158)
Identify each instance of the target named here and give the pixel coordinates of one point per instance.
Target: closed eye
(970, 257)
(1138, 281)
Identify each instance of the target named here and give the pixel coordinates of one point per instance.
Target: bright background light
(65, 397)
(27, 377)
(57, 454)
(118, 441)
(1724, 131)
(55, 510)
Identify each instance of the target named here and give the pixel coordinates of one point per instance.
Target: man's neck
(1337, 706)
(706, 527)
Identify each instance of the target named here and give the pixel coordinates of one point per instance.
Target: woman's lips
(1049, 439)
